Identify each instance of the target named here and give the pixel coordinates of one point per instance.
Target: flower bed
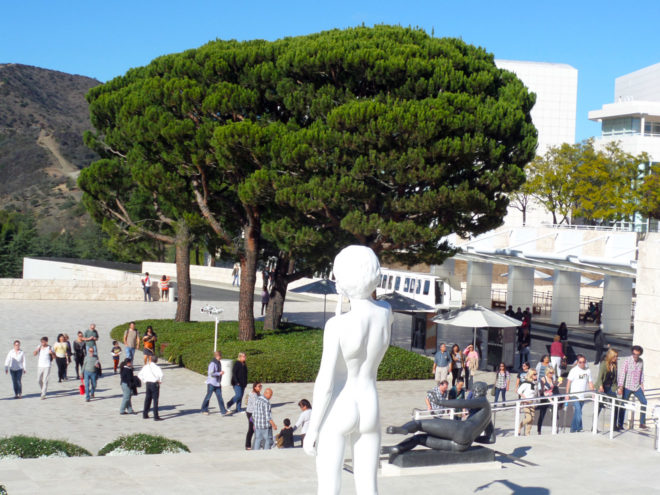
(143, 444)
(24, 447)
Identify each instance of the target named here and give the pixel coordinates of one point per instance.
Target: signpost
(213, 312)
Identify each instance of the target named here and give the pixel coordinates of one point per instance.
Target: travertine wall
(90, 290)
(647, 321)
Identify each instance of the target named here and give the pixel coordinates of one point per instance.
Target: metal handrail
(598, 398)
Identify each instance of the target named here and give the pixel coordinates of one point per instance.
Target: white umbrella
(476, 317)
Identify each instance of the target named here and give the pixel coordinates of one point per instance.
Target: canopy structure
(323, 287)
(476, 317)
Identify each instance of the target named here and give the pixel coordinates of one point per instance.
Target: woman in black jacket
(127, 385)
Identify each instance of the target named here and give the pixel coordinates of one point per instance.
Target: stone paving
(218, 462)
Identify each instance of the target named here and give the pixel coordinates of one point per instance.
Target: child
(116, 351)
(285, 436)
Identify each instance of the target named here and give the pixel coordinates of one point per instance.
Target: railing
(599, 401)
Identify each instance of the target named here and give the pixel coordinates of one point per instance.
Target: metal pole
(595, 421)
(517, 420)
(215, 342)
(555, 410)
(612, 419)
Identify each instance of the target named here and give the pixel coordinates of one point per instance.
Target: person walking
(522, 375)
(152, 376)
(15, 365)
(263, 421)
(149, 343)
(265, 297)
(303, 419)
(600, 342)
(631, 382)
(502, 380)
(239, 375)
(578, 381)
(127, 382)
(548, 387)
(527, 391)
(79, 351)
(60, 349)
(91, 336)
(562, 331)
(131, 340)
(46, 356)
(146, 286)
(525, 343)
(441, 363)
(556, 354)
(542, 366)
(457, 364)
(214, 375)
(249, 411)
(234, 274)
(606, 382)
(69, 353)
(91, 366)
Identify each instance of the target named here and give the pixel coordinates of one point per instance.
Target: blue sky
(603, 39)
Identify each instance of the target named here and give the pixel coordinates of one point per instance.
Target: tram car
(442, 294)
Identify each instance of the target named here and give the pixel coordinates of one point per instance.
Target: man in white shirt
(152, 376)
(46, 356)
(579, 380)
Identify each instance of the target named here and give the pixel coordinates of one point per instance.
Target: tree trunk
(283, 270)
(183, 273)
(248, 277)
(524, 215)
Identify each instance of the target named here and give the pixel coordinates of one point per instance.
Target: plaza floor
(218, 462)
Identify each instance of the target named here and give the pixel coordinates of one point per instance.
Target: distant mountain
(43, 114)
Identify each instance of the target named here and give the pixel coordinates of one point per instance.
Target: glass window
(389, 282)
(383, 282)
(419, 286)
(427, 286)
(439, 291)
(406, 284)
(397, 283)
(622, 126)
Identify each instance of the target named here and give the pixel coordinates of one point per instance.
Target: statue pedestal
(429, 461)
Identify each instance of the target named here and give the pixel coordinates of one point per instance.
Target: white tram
(440, 293)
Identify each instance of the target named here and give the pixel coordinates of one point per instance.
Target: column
(479, 281)
(566, 298)
(520, 287)
(617, 304)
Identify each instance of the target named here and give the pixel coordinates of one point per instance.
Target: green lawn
(289, 354)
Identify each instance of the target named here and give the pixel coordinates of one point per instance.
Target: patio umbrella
(403, 304)
(476, 317)
(323, 286)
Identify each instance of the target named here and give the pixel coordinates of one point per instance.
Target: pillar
(617, 304)
(566, 298)
(520, 287)
(479, 281)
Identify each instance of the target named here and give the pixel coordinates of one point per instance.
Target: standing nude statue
(345, 395)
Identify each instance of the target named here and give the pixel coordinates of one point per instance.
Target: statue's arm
(465, 404)
(323, 387)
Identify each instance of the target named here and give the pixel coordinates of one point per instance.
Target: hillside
(43, 114)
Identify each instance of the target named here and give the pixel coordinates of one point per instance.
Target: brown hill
(43, 114)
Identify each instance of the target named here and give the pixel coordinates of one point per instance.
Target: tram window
(383, 282)
(439, 291)
(406, 284)
(427, 286)
(397, 283)
(419, 286)
(389, 282)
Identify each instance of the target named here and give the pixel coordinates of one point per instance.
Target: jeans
(576, 423)
(16, 376)
(499, 391)
(237, 398)
(90, 379)
(130, 353)
(44, 373)
(61, 368)
(542, 410)
(147, 293)
(79, 365)
(152, 394)
(263, 438)
(524, 355)
(126, 398)
(210, 390)
(639, 393)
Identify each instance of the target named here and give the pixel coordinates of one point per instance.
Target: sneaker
(643, 427)
(205, 413)
(226, 413)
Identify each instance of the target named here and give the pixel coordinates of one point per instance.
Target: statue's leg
(365, 461)
(329, 462)
(408, 444)
(443, 444)
(409, 427)
(489, 435)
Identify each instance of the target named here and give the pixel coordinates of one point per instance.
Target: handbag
(82, 387)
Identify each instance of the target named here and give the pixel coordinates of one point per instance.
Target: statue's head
(357, 272)
(479, 389)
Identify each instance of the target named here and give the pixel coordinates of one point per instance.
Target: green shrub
(32, 447)
(141, 443)
(289, 354)
(3, 490)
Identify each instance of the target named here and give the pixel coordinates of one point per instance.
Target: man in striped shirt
(631, 381)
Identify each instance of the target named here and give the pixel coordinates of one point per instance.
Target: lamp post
(213, 312)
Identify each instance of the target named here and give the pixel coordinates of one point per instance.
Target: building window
(652, 128)
(622, 126)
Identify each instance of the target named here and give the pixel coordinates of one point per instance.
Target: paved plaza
(218, 462)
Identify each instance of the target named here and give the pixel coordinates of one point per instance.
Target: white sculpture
(345, 395)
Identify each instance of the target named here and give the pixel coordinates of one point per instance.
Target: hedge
(289, 354)
(141, 443)
(26, 447)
